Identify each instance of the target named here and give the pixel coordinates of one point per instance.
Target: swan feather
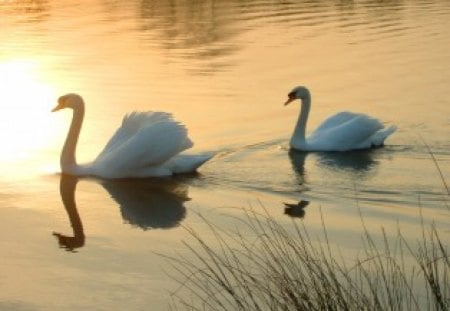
(144, 140)
(344, 131)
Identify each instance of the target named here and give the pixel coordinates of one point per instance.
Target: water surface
(224, 69)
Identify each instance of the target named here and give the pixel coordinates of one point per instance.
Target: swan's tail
(380, 136)
(186, 163)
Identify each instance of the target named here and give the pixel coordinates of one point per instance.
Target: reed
(436, 164)
(272, 267)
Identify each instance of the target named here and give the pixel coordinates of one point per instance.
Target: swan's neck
(298, 140)
(68, 158)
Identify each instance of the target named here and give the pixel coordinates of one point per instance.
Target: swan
(342, 132)
(147, 144)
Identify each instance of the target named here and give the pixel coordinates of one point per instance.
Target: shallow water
(224, 69)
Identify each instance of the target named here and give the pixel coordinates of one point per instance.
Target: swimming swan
(342, 132)
(146, 145)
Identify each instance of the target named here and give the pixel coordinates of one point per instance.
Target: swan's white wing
(131, 124)
(352, 133)
(144, 140)
(336, 120)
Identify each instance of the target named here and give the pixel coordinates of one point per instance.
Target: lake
(224, 69)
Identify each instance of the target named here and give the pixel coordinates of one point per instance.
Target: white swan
(146, 145)
(342, 132)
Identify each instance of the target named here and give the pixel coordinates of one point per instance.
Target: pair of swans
(150, 144)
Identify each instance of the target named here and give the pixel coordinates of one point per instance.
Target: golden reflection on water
(25, 100)
(223, 68)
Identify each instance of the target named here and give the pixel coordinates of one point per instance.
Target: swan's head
(71, 100)
(299, 92)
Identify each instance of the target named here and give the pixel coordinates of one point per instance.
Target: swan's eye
(291, 95)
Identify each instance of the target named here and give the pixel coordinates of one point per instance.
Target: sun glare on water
(25, 100)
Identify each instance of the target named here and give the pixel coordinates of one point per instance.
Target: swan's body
(342, 132)
(147, 144)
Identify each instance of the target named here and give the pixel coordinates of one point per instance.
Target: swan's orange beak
(290, 99)
(58, 107)
(61, 103)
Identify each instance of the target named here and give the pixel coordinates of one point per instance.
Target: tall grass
(436, 164)
(272, 267)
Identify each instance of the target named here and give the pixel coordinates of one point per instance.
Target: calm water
(224, 69)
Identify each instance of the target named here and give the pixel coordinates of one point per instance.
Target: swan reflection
(361, 161)
(354, 165)
(351, 161)
(297, 159)
(296, 210)
(149, 203)
(67, 186)
(143, 203)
